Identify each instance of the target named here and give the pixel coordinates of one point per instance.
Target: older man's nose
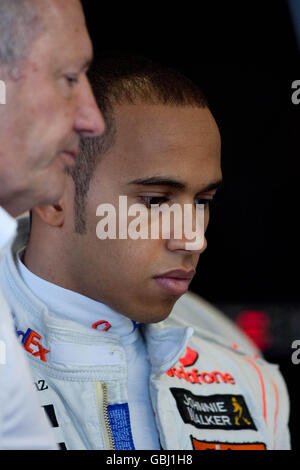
(89, 121)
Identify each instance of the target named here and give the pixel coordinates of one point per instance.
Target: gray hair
(20, 23)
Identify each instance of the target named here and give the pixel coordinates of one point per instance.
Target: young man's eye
(152, 200)
(206, 202)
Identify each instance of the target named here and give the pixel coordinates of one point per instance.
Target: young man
(88, 289)
(44, 55)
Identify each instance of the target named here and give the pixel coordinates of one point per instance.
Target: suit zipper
(101, 395)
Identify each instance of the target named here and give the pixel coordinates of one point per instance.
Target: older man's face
(49, 106)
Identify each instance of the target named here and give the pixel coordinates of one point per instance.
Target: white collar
(8, 230)
(70, 305)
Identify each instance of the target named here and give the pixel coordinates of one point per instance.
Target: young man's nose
(192, 230)
(184, 245)
(89, 121)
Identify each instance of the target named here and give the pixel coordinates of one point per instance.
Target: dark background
(245, 58)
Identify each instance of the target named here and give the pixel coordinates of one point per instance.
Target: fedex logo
(30, 341)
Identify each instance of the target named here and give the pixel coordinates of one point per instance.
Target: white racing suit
(23, 425)
(205, 394)
(191, 309)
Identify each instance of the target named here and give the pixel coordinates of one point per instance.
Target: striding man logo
(216, 411)
(238, 409)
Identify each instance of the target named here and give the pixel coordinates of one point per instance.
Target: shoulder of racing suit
(191, 309)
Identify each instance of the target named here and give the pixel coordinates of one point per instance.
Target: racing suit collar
(8, 228)
(70, 305)
(165, 345)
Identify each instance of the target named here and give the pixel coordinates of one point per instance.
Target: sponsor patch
(105, 325)
(214, 411)
(190, 357)
(49, 409)
(210, 445)
(30, 342)
(50, 412)
(119, 421)
(41, 385)
(193, 376)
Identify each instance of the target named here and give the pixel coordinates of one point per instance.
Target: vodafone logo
(194, 376)
(190, 357)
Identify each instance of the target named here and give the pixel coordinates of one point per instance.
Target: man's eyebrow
(212, 186)
(87, 64)
(166, 181)
(159, 181)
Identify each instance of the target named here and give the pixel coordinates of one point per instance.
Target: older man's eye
(71, 79)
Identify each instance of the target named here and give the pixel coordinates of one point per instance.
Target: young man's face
(49, 106)
(178, 144)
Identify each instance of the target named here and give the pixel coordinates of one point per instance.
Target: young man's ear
(53, 215)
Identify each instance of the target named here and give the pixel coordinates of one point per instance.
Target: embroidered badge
(119, 420)
(41, 385)
(105, 325)
(214, 411)
(30, 340)
(193, 376)
(212, 445)
(50, 412)
(190, 357)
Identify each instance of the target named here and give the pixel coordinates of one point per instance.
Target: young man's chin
(156, 315)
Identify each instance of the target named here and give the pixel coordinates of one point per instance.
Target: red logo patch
(190, 358)
(106, 325)
(193, 376)
(29, 339)
(204, 445)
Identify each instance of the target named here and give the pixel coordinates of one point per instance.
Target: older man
(45, 52)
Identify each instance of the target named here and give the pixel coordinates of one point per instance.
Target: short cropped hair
(117, 80)
(20, 23)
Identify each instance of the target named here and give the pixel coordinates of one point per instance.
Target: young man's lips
(176, 282)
